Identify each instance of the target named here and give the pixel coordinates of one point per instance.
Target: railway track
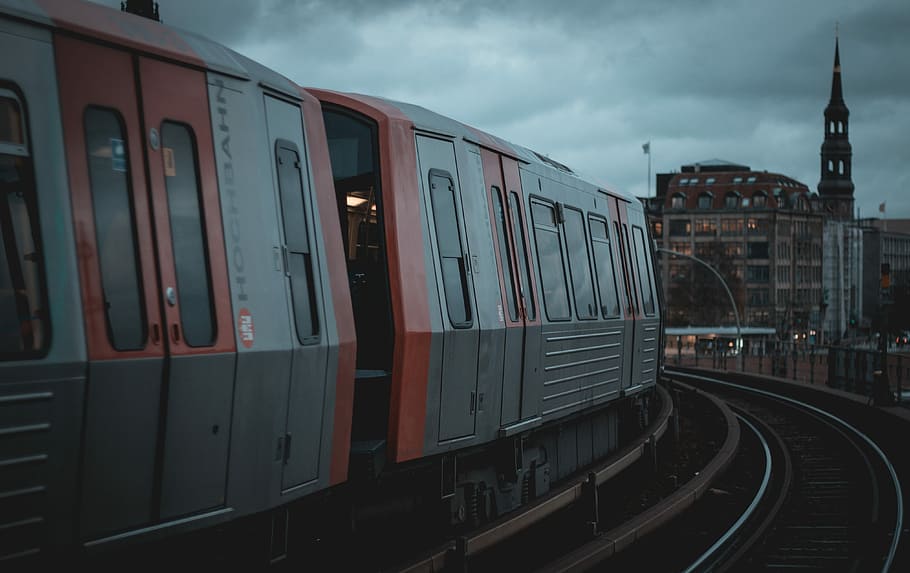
(842, 508)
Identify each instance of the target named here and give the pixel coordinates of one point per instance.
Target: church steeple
(836, 185)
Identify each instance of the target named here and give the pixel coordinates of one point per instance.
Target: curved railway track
(843, 508)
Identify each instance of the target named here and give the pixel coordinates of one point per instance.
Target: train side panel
(42, 342)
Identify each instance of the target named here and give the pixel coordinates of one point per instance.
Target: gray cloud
(589, 81)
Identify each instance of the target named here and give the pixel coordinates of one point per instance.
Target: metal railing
(849, 369)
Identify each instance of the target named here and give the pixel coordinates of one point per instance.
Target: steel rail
(899, 519)
(762, 489)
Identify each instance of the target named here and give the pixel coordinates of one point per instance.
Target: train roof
(147, 36)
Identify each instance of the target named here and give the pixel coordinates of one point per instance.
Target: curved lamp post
(739, 330)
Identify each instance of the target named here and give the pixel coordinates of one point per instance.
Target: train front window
(23, 316)
(354, 153)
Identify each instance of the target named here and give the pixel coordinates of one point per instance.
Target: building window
(731, 200)
(840, 167)
(731, 226)
(704, 250)
(680, 228)
(693, 181)
(737, 180)
(678, 201)
(733, 249)
(657, 229)
(759, 199)
(683, 182)
(710, 181)
(705, 200)
(757, 273)
(705, 227)
(757, 250)
(831, 126)
(757, 226)
(681, 248)
(758, 296)
(751, 179)
(830, 166)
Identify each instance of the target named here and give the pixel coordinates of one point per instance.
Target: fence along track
(821, 503)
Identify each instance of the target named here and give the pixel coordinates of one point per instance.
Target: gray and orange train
(221, 293)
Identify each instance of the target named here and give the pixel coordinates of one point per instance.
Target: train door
(649, 320)
(503, 187)
(124, 330)
(633, 332)
(160, 342)
(460, 338)
(193, 290)
(306, 390)
(609, 286)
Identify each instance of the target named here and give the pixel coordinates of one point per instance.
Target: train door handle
(170, 294)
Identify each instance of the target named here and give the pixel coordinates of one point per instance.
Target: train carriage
(494, 292)
(177, 340)
(222, 293)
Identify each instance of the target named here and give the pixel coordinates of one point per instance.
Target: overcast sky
(587, 82)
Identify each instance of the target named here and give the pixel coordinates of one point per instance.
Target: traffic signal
(886, 275)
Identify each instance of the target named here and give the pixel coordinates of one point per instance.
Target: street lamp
(739, 330)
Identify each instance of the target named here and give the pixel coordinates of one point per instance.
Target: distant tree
(696, 297)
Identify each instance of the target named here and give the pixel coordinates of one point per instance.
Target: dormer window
(731, 200)
(705, 200)
(759, 199)
(678, 201)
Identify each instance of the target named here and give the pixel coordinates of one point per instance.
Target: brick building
(762, 230)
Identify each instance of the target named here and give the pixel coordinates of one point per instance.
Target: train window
(448, 241)
(645, 278)
(518, 232)
(299, 257)
(10, 120)
(603, 265)
(115, 228)
(188, 234)
(505, 256)
(579, 265)
(24, 330)
(549, 258)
